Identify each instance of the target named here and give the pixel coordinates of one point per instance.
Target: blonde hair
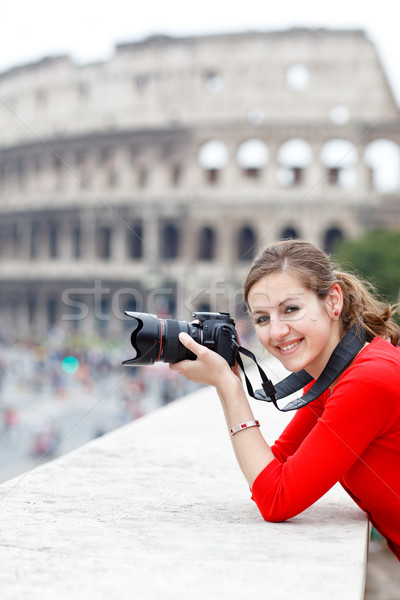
(361, 304)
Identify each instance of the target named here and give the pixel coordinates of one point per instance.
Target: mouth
(289, 347)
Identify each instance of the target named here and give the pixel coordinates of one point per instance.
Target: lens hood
(146, 339)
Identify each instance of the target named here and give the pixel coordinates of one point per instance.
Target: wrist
(246, 425)
(230, 389)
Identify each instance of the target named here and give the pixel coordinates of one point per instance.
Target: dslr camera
(156, 339)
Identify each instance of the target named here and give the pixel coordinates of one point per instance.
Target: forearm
(251, 450)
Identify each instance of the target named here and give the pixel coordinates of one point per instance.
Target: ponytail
(361, 305)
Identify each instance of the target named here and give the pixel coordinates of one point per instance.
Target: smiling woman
(292, 324)
(302, 308)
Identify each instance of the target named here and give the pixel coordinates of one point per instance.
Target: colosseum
(148, 181)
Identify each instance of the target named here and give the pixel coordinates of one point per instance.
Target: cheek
(320, 333)
(262, 334)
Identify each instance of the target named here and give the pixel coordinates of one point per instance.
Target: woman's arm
(252, 452)
(351, 420)
(298, 428)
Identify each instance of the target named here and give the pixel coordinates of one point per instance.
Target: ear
(334, 301)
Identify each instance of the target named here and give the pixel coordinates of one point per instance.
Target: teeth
(284, 348)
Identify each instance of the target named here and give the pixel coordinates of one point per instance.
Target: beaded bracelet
(245, 425)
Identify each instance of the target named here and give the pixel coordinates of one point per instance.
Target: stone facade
(150, 180)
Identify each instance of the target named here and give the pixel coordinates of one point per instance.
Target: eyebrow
(284, 301)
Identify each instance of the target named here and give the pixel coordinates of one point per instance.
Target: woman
(301, 308)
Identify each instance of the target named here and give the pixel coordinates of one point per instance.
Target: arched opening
(170, 238)
(297, 77)
(135, 241)
(339, 157)
(53, 241)
(246, 244)
(289, 233)
(76, 241)
(104, 238)
(294, 156)
(207, 244)
(213, 157)
(331, 238)
(383, 158)
(252, 156)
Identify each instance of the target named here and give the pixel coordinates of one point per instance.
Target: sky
(88, 31)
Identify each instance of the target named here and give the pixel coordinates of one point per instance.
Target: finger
(189, 343)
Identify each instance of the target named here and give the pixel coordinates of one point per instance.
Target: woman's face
(293, 324)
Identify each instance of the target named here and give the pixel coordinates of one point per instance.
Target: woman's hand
(252, 452)
(209, 368)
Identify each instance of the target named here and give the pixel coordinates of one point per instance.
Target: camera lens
(156, 339)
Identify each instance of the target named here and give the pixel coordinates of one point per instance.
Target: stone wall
(159, 508)
(161, 172)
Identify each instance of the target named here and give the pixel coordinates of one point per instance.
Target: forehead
(275, 288)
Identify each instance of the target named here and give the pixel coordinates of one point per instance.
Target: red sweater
(351, 436)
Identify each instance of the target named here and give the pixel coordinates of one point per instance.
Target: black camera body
(218, 334)
(156, 339)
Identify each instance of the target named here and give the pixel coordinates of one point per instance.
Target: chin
(294, 366)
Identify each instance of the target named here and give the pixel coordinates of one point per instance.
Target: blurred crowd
(38, 386)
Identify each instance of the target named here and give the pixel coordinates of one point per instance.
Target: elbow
(274, 510)
(268, 492)
(272, 514)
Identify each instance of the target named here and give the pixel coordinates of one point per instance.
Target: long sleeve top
(350, 435)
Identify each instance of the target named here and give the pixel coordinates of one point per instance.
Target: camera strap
(349, 346)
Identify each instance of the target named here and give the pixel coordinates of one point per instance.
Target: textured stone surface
(102, 161)
(159, 509)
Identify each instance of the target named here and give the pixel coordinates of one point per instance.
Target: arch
(35, 235)
(135, 241)
(252, 156)
(32, 307)
(339, 157)
(102, 321)
(331, 238)
(76, 241)
(338, 151)
(294, 156)
(104, 241)
(297, 77)
(382, 156)
(16, 236)
(204, 306)
(51, 312)
(289, 233)
(246, 243)
(207, 239)
(213, 155)
(295, 152)
(53, 240)
(170, 238)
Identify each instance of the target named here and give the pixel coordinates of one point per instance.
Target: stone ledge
(159, 509)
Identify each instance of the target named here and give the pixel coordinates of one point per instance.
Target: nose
(279, 329)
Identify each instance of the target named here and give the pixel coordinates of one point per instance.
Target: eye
(261, 320)
(291, 309)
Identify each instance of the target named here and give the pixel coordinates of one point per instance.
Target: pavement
(383, 573)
